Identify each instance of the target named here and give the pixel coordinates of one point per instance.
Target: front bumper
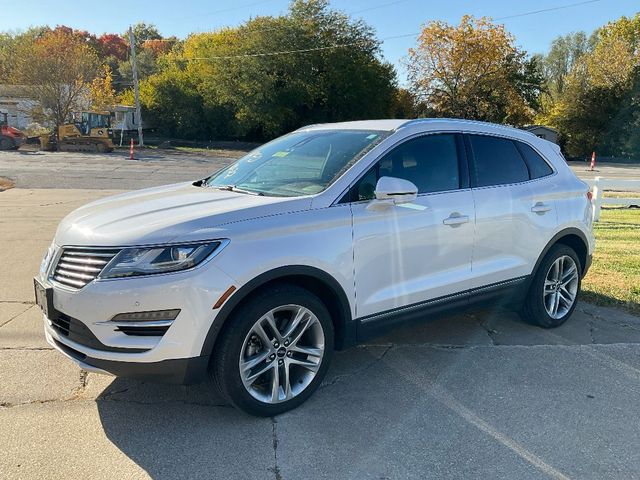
(182, 371)
(175, 356)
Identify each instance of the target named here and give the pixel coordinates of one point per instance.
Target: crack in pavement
(75, 397)
(597, 317)
(591, 331)
(7, 405)
(491, 333)
(339, 378)
(17, 315)
(84, 380)
(274, 439)
(27, 349)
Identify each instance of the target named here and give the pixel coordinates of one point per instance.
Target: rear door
(515, 208)
(411, 253)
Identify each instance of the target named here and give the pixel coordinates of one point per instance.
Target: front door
(412, 253)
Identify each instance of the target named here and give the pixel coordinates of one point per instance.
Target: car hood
(180, 212)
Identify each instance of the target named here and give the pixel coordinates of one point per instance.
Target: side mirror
(396, 189)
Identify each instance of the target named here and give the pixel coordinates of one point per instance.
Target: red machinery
(10, 138)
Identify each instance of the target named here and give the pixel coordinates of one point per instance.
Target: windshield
(301, 163)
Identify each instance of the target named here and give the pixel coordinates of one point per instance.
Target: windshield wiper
(233, 188)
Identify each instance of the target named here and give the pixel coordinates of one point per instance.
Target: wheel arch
(313, 279)
(571, 237)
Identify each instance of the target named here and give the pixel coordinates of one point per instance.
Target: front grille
(78, 266)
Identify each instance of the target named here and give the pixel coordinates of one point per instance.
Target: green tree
(474, 70)
(404, 104)
(143, 32)
(11, 43)
(274, 74)
(147, 66)
(599, 106)
(563, 55)
(58, 69)
(103, 95)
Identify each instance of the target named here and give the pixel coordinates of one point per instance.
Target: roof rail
(464, 121)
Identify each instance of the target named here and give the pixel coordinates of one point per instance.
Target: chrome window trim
(471, 161)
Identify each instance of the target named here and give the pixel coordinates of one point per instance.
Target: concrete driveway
(479, 395)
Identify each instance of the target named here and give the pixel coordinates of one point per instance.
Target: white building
(124, 118)
(15, 102)
(543, 131)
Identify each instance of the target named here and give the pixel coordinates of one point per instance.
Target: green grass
(218, 152)
(622, 194)
(614, 277)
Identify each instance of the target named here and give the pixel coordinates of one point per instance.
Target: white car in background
(316, 241)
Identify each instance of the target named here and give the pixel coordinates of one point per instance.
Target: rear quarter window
(538, 167)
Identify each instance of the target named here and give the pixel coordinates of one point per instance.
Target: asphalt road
(479, 395)
(33, 169)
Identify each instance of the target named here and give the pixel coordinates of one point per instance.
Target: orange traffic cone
(593, 162)
(131, 151)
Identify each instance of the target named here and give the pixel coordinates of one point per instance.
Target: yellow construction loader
(87, 132)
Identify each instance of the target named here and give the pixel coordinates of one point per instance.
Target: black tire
(534, 310)
(226, 355)
(6, 144)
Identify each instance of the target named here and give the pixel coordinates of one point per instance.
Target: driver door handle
(455, 219)
(540, 208)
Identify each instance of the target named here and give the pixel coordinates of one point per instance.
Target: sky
(533, 31)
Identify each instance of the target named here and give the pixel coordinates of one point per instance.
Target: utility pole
(136, 89)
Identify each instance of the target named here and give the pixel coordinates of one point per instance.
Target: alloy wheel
(561, 287)
(281, 354)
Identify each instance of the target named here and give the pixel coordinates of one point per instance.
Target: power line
(544, 10)
(524, 14)
(271, 54)
(375, 7)
(354, 12)
(382, 40)
(224, 10)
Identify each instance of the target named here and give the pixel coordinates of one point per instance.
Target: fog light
(152, 316)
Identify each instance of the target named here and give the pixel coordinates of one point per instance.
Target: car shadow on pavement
(174, 431)
(456, 397)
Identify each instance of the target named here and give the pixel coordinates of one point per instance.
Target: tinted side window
(538, 167)
(497, 161)
(430, 162)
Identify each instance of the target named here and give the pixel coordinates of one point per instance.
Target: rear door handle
(540, 208)
(455, 220)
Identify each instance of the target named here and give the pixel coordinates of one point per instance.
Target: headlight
(131, 262)
(46, 259)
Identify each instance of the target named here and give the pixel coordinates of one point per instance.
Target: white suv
(313, 242)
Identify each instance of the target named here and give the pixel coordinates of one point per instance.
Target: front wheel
(275, 351)
(553, 293)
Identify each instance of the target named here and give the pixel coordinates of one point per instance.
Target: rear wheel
(6, 143)
(553, 293)
(275, 352)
